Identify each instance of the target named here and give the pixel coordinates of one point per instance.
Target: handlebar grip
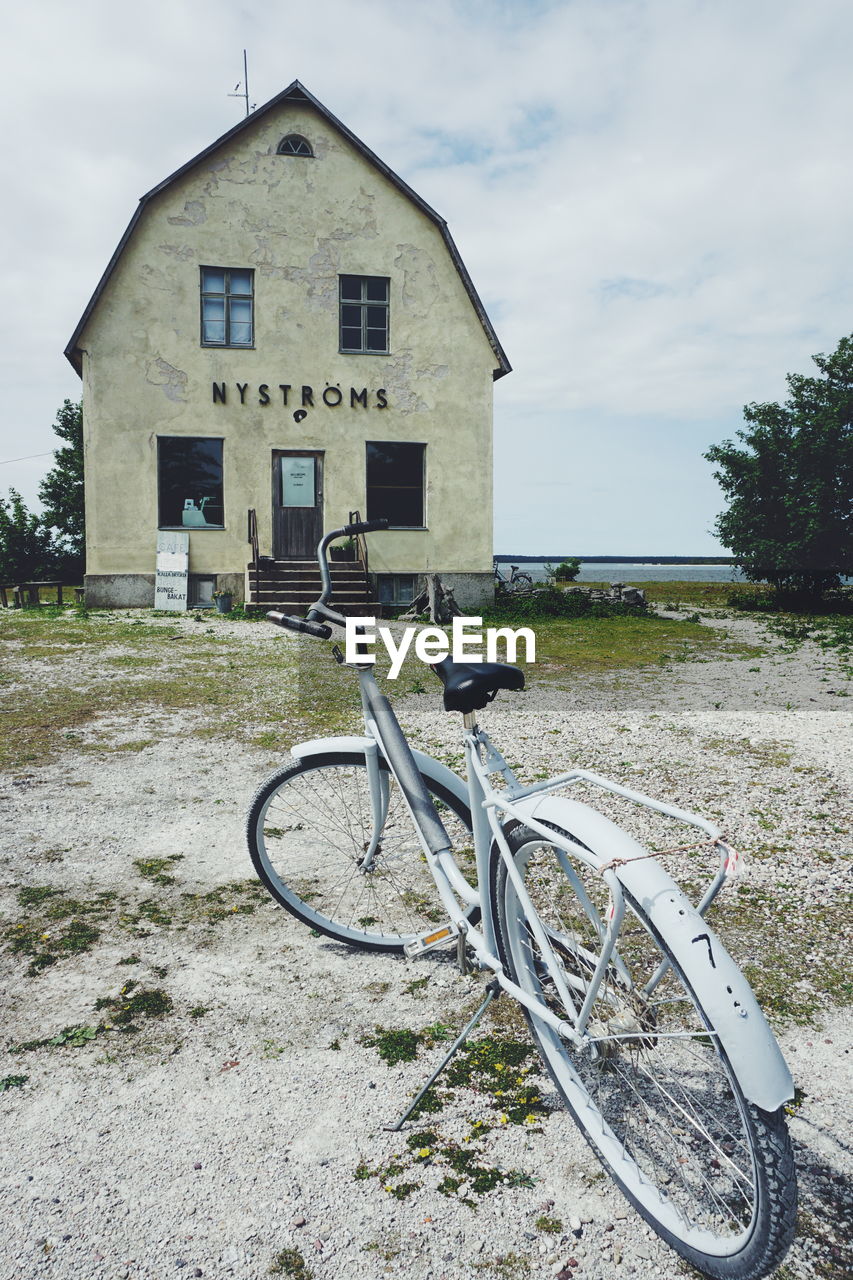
(317, 629)
(366, 526)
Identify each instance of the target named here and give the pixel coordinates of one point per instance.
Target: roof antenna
(245, 94)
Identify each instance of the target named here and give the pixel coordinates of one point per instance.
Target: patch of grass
(12, 1082)
(290, 1262)
(124, 1008)
(793, 984)
(393, 1046)
(506, 1266)
(776, 755)
(706, 595)
(35, 895)
(573, 645)
(551, 1226)
(39, 937)
(497, 1067)
(69, 1037)
(401, 1045)
(494, 1068)
(155, 868)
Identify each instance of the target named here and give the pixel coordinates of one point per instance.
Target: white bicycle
(646, 1025)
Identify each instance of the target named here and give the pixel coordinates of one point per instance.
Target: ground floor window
(395, 483)
(397, 588)
(200, 592)
(189, 470)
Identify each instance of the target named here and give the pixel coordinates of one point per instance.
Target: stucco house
(286, 334)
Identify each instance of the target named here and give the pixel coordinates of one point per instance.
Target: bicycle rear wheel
(655, 1095)
(309, 828)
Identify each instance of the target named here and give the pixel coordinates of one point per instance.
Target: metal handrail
(360, 542)
(253, 539)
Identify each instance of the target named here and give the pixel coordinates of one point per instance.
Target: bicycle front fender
(717, 982)
(430, 768)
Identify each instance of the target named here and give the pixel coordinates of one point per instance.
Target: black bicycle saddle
(470, 686)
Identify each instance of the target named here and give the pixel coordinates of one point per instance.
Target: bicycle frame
(624, 866)
(489, 808)
(587, 922)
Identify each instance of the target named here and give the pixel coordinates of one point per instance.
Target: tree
(568, 570)
(61, 491)
(790, 491)
(27, 549)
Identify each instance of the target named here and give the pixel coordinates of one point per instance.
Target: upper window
(190, 475)
(395, 483)
(364, 313)
(293, 144)
(227, 307)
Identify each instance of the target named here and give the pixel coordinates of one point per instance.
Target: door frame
(280, 553)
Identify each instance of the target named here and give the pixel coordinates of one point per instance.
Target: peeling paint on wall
(420, 282)
(183, 252)
(193, 216)
(398, 379)
(172, 381)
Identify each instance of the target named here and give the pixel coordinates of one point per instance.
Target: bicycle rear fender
(717, 982)
(432, 769)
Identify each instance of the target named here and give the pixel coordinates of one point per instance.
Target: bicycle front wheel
(653, 1092)
(310, 830)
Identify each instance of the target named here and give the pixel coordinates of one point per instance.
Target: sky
(653, 197)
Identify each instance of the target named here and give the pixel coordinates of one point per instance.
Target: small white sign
(298, 487)
(173, 562)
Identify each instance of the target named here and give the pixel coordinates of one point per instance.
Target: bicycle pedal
(429, 941)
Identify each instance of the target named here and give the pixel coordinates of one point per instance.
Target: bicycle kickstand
(493, 989)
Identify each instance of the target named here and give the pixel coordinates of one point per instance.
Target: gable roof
(298, 94)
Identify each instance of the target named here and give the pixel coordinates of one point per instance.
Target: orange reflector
(446, 932)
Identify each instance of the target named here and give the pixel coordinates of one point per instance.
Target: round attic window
(293, 144)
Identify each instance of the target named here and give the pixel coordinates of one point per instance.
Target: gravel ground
(211, 1144)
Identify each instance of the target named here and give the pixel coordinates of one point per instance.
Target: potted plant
(223, 601)
(344, 550)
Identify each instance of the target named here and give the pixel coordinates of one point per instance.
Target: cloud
(653, 199)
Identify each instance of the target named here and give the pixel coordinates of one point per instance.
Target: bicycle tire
(661, 1107)
(308, 828)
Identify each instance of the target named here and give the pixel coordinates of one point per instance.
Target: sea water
(628, 573)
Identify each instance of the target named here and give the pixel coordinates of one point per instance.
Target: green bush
(568, 570)
(553, 603)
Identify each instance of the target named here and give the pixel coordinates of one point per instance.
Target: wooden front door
(297, 504)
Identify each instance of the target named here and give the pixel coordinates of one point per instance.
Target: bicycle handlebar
(320, 609)
(365, 526)
(317, 629)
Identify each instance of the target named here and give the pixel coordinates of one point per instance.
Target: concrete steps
(293, 585)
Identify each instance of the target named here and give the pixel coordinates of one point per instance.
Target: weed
(73, 1037)
(12, 1082)
(155, 868)
(393, 1046)
(551, 1226)
(290, 1262)
(35, 895)
(401, 1045)
(403, 1190)
(506, 1266)
(150, 1003)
